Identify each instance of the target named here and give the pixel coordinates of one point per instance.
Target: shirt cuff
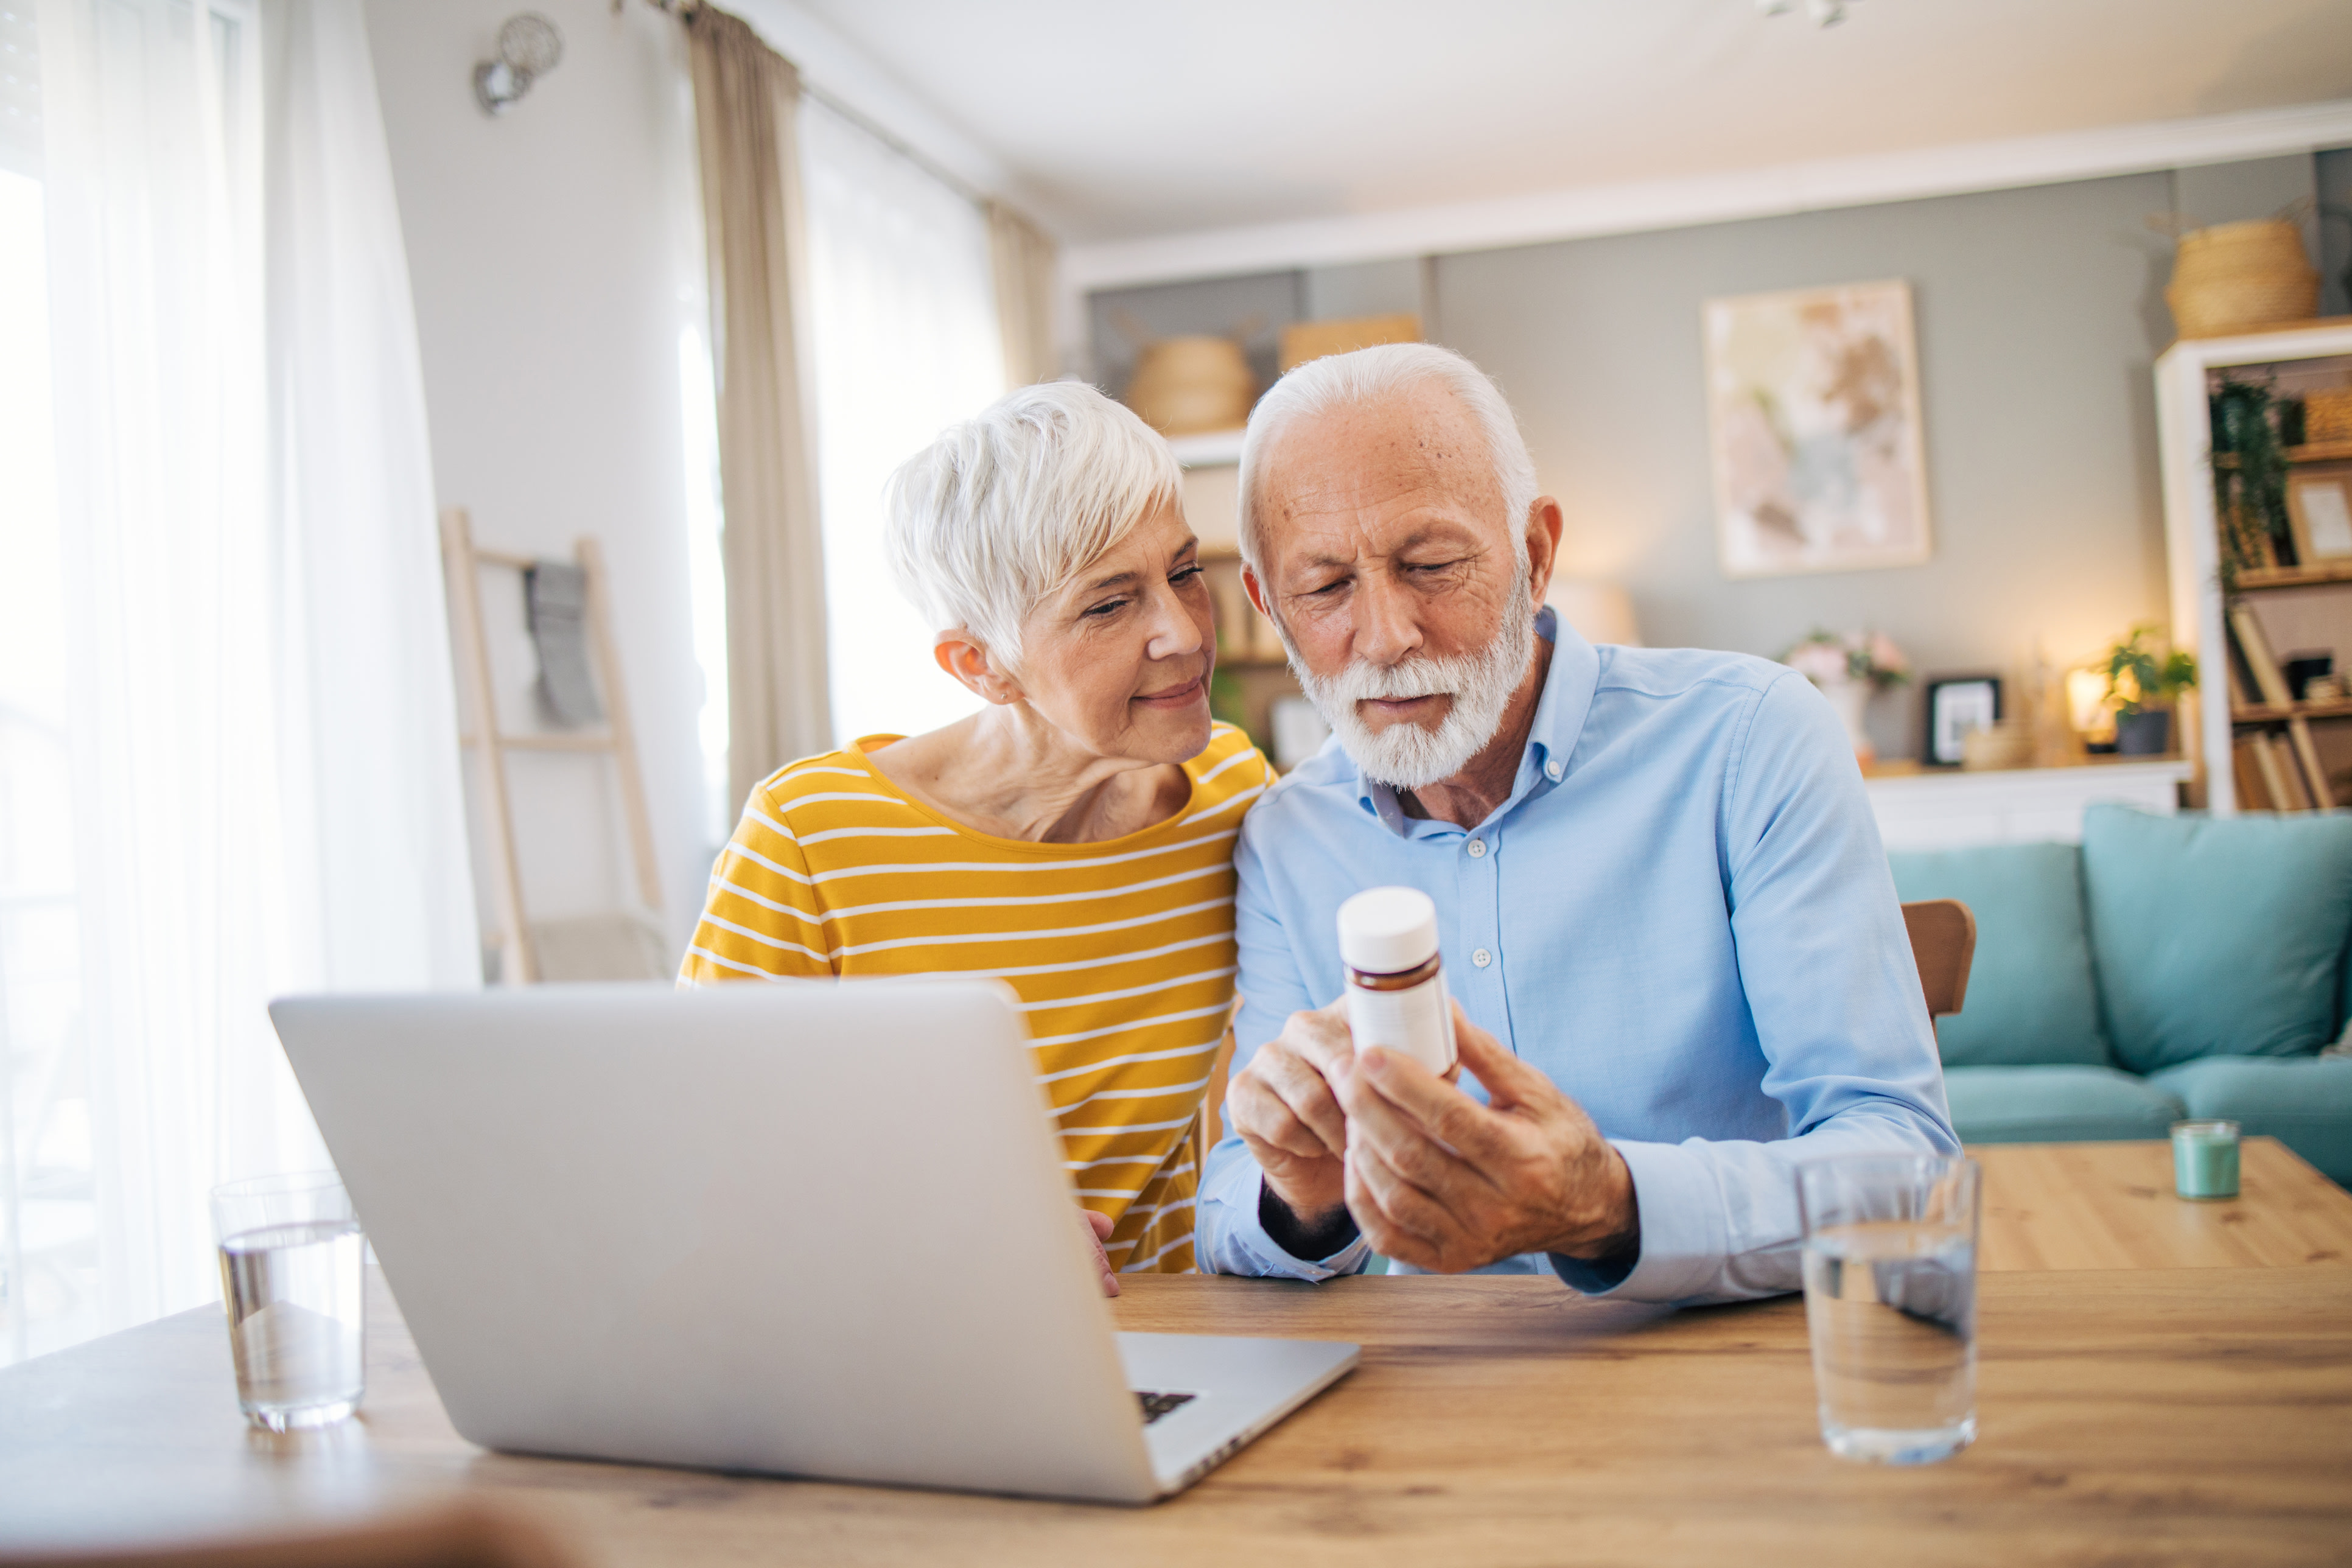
(1248, 1244)
(1682, 1250)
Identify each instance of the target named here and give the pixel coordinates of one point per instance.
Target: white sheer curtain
(905, 342)
(243, 693)
(382, 887)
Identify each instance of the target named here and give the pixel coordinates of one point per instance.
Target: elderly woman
(1073, 838)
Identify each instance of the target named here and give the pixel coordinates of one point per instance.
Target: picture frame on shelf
(1957, 704)
(2319, 507)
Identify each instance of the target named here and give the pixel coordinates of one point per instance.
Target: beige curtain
(1022, 257)
(745, 100)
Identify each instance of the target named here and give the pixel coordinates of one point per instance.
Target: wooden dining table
(2196, 1408)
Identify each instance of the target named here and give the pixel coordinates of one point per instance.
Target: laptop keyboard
(1155, 1405)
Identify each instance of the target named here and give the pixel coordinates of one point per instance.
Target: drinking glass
(291, 1278)
(1890, 1257)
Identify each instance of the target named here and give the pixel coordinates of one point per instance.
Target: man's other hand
(1285, 1107)
(1097, 1228)
(1447, 1184)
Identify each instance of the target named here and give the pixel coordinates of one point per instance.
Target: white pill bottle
(1396, 982)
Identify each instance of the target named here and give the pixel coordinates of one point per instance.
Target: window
(905, 344)
(215, 785)
(48, 1221)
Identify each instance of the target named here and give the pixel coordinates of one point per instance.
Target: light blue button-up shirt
(1682, 915)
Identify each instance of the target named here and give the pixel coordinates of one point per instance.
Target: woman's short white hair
(1011, 505)
(1370, 376)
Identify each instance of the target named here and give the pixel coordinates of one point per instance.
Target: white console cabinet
(1951, 810)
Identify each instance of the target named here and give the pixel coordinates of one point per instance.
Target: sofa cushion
(2217, 936)
(2304, 1102)
(2030, 997)
(2055, 1105)
(2344, 1001)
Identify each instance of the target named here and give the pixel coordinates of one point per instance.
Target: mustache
(1424, 676)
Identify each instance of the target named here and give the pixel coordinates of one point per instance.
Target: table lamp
(2086, 704)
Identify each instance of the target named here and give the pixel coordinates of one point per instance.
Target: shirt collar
(1561, 711)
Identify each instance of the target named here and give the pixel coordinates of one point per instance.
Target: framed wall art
(1814, 405)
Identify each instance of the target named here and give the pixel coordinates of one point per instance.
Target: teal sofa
(2169, 967)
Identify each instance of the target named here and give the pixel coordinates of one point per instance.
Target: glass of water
(1891, 1300)
(291, 1276)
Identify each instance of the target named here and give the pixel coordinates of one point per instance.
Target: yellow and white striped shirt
(1121, 951)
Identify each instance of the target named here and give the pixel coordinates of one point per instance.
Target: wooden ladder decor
(518, 959)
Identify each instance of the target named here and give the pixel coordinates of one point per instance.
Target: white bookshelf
(2192, 538)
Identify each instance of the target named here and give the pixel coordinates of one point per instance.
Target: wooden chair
(1943, 944)
(1211, 1127)
(464, 1537)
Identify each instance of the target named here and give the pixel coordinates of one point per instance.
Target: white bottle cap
(1387, 930)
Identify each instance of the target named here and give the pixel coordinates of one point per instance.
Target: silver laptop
(812, 1229)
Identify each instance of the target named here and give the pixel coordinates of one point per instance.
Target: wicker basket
(2235, 277)
(2328, 415)
(1304, 341)
(1183, 386)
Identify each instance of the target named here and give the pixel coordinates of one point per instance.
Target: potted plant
(2143, 678)
(2248, 478)
(1850, 668)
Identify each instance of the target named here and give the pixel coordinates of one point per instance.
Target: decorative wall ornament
(529, 46)
(1824, 12)
(1813, 405)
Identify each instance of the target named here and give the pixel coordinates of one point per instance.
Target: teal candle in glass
(2205, 1159)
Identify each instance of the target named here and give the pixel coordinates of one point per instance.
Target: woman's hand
(1097, 1229)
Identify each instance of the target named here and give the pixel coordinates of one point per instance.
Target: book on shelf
(2281, 777)
(2253, 794)
(2301, 762)
(2306, 752)
(2243, 692)
(2270, 681)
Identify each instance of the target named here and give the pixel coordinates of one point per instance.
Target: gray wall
(2332, 180)
(2039, 316)
(2247, 192)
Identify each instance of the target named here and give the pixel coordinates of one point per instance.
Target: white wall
(549, 250)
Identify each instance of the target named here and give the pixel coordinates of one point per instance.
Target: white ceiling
(1117, 120)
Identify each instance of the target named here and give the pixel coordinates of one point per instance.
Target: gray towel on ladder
(555, 595)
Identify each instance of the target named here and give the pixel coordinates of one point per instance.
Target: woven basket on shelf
(1184, 386)
(2327, 414)
(2235, 277)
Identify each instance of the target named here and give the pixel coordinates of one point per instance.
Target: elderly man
(1666, 914)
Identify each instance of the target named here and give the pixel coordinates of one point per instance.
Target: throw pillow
(2031, 1000)
(2217, 936)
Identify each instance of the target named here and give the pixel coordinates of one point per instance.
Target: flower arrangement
(1829, 659)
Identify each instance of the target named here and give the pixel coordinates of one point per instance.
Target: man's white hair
(1008, 506)
(1372, 376)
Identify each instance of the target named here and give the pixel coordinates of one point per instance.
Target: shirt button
(1553, 770)
(1482, 958)
(1477, 847)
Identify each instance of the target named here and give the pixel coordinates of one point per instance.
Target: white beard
(1404, 755)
